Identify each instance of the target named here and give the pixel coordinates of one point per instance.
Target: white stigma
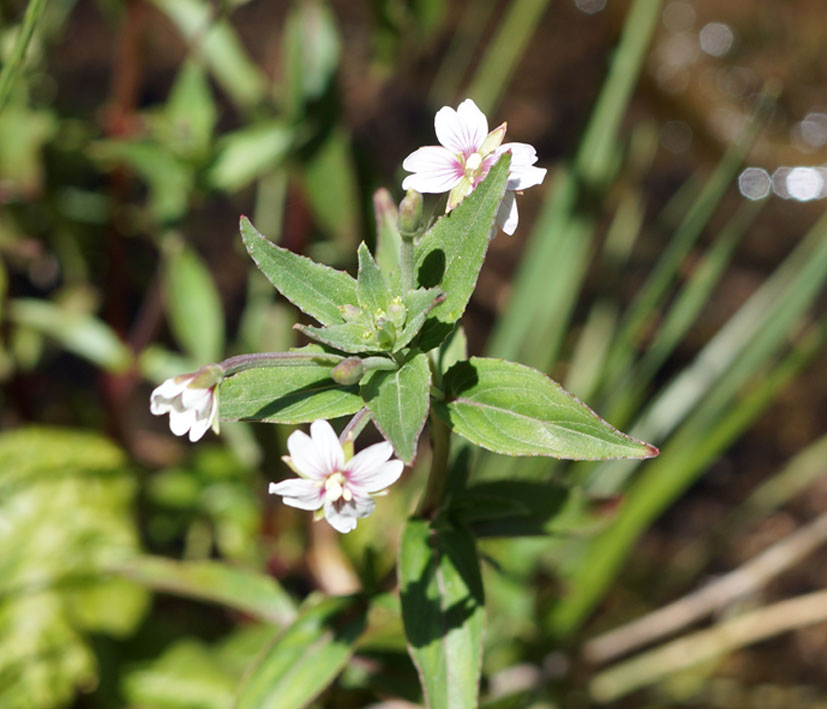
(472, 164)
(334, 488)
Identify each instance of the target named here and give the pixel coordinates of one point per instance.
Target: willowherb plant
(388, 351)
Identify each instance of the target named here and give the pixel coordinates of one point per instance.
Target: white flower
(339, 489)
(191, 400)
(465, 155)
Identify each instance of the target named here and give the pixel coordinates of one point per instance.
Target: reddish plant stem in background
(119, 123)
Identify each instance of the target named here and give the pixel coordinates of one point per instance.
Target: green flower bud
(350, 313)
(397, 312)
(385, 332)
(410, 215)
(348, 371)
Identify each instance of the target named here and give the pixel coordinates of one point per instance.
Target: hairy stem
(276, 359)
(441, 444)
(406, 258)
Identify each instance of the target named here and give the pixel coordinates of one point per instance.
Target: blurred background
(670, 272)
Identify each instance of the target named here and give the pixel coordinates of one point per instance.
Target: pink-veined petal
(507, 216)
(327, 445)
(435, 170)
(368, 459)
(305, 456)
(461, 131)
(362, 505)
(381, 477)
(341, 518)
(303, 494)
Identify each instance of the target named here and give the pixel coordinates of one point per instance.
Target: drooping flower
(466, 153)
(337, 488)
(191, 400)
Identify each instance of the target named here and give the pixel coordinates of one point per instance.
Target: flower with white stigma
(191, 400)
(466, 153)
(336, 485)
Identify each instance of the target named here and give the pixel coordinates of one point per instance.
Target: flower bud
(385, 332)
(350, 312)
(410, 215)
(348, 371)
(397, 312)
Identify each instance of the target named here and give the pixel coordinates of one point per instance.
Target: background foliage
(141, 571)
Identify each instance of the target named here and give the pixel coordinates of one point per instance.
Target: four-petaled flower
(465, 155)
(338, 489)
(191, 400)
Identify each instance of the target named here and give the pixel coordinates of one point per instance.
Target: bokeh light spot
(754, 183)
(716, 38)
(590, 7)
(804, 183)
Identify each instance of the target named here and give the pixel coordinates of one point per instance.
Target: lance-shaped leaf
(418, 303)
(371, 286)
(315, 289)
(388, 240)
(443, 610)
(451, 254)
(213, 581)
(513, 409)
(285, 395)
(399, 403)
(352, 337)
(306, 657)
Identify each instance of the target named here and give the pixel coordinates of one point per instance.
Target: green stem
(383, 363)
(356, 424)
(434, 492)
(276, 359)
(14, 64)
(406, 257)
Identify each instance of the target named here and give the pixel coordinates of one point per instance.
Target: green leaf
(80, 333)
(218, 43)
(313, 288)
(193, 304)
(67, 505)
(240, 589)
(388, 240)
(249, 153)
(305, 658)
(190, 673)
(399, 403)
(371, 286)
(451, 254)
(443, 610)
(169, 179)
(512, 409)
(311, 54)
(186, 675)
(418, 303)
(285, 395)
(349, 337)
(454, 349)
(330, 187)
(190, 113)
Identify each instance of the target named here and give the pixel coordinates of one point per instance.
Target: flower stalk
(242, 362)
